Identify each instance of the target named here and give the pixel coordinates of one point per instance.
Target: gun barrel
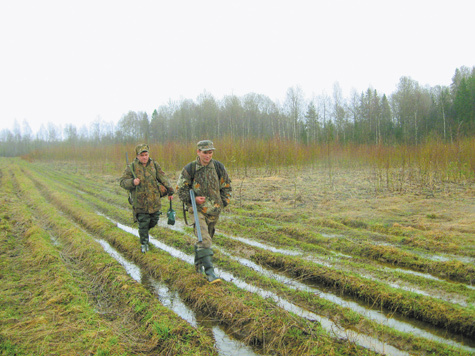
(127, 162)
(195, 215)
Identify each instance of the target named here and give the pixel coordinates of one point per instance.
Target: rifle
(131, 201)
(127, 161)
(195, 215)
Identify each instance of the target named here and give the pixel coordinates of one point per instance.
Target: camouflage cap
(141, 148)
(205, 145)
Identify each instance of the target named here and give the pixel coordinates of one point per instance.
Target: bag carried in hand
(171, 214)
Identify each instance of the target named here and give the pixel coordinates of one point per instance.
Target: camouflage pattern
(207, 228)
(206, 183)
(205, 145)
(146, 196)
(147, 222)
(141, 148)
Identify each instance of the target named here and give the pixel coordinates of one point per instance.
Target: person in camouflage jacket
(212, 187)
(147, 183)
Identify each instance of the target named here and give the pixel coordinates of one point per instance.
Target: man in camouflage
(147, 183)
(210, 182)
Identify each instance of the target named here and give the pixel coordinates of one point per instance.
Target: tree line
(410, 115)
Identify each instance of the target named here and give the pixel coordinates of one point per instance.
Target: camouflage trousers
(146, 222)
(207, 227)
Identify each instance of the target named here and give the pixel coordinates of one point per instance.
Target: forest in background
(436, 124)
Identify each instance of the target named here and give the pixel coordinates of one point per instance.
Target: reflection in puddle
(131, 269)
(332, 328)
(420, 274)
(368, 313)
(446, 258)
(264, 246)
(171, 300)
(228, 346)
(320, 261)
(225, 345)
(331, 236)
(336, 256)
(424, 275)
(326, 262)
(412, 289)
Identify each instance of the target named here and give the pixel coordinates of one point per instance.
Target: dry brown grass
(354, 194)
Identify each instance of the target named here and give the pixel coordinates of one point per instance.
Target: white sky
(78, 61)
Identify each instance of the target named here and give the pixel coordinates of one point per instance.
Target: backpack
(191, 169)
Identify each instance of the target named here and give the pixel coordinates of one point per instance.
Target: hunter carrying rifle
(210, 185)
(146, 183)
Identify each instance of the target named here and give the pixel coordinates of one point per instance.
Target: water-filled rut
(400, 323)
(225, 343)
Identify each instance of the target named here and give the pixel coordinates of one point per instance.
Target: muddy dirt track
(313, 262)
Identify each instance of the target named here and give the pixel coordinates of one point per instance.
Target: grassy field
(316, 261)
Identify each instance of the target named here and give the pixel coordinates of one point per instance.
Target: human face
(205, 156)
(143, 157)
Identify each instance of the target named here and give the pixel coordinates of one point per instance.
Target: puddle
(447, 258)
(180, 227)
(420, 274)
(368, 313)
(131, 269)
(452, 300)
(320, 261)
(264, 246)
(325, 263)
(331, 236)
(170, 299)
(332, 328)
(226, 346)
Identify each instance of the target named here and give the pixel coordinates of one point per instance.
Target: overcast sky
(78, 61)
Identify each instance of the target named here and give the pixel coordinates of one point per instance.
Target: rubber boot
(198, 263)
(209, 270)
(144, 247)
(204, 265)
(143, 235)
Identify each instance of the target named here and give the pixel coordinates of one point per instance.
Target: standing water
(332, 328)
(226, 346)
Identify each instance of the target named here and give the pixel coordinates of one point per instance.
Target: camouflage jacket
(146, 196)
(205, 182)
